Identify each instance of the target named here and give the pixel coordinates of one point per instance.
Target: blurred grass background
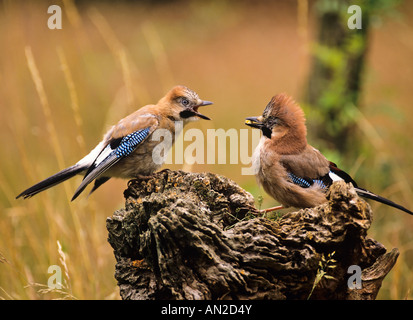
(61, 89)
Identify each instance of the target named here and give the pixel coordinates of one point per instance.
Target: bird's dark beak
(201, 104)
(254, 122)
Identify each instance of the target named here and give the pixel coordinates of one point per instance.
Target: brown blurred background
(111, 58)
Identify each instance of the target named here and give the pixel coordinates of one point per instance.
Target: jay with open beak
(126, 148)
(290, 170)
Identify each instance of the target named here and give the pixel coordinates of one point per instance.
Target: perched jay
(291, 171)
(126, 149)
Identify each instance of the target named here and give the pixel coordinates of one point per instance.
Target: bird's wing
(118, 146)
(309, 163)
(311, 167)
(144, 117)
(337, 172)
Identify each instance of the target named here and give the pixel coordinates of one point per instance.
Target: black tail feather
(370, 195)
(94, 172)
(51, 181)
(98, 183)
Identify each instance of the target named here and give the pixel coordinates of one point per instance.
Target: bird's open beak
(201, 104)
(254, 122)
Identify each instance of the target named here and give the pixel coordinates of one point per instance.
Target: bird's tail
(370, 195)
(52, 181)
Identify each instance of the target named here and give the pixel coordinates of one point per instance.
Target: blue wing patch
(299, 181)
(320, 183)
(129, 142)
(126, 146)
(306, 183)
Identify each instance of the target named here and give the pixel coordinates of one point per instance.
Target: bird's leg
(265, 211)
(271, 209)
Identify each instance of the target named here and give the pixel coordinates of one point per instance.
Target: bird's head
(184, 104)
(282, 120)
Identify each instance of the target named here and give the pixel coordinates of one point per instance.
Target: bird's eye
(185, 102)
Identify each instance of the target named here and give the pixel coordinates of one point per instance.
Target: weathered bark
(199, 236)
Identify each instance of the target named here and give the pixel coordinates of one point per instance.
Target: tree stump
(198, 236)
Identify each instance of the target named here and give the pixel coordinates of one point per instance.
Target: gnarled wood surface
(198, 236)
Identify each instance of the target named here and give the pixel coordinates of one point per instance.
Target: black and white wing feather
(116, 150)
